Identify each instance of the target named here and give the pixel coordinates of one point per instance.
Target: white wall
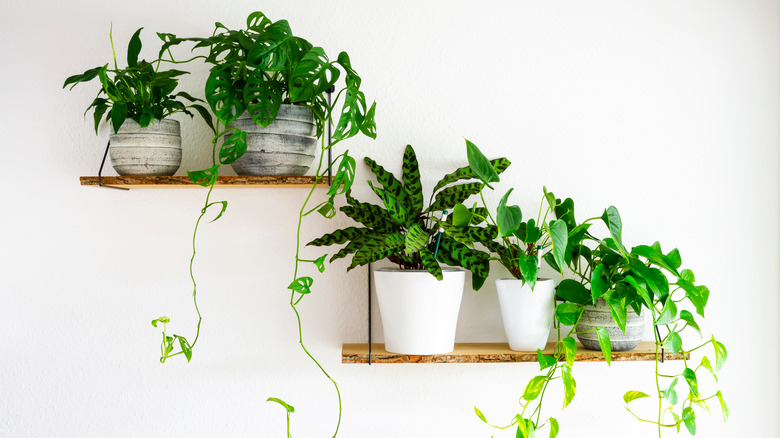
(668, 110)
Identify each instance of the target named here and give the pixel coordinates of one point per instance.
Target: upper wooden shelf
(169, 182)
(493, 353)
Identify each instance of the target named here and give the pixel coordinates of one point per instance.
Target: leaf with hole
(313, 75)
(302, 285)
(262, 98)
(270, 50)
(223, 97)
(233, 148)
(205, 177)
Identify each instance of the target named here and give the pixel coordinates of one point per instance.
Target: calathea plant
(404, 231)
(139, 91)
(646, 278)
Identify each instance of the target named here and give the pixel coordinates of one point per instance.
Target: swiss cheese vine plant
(139, 91)
(255, 70)
(404, 230)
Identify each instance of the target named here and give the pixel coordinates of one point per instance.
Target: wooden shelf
(493, 353)
(170, 182)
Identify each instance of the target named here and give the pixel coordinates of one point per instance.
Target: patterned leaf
(411, 179)
(456, 254)
(447, 198)
(390, 184)
(500, 164)
(376, 250)
(430, 263)
(416, 239)
(397, 208)
(340, 236)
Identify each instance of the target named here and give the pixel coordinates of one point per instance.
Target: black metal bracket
(330, 139)
(369, 313)
(100, 171)
(658, 337)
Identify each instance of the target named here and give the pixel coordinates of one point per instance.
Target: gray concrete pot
(599, 315)
(285, 147)
(151, 151)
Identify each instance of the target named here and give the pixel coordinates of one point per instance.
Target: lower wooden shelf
(169, 182)
(493, 353)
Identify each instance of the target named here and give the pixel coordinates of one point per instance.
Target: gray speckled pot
(285, 147)
(599, 315)
(151, 151)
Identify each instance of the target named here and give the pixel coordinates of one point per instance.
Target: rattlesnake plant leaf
(312, 76)
(411, 180)
(352, 114)
(430, 263)
(270, 51)
(397, 208)
(499, 164)
(416, 239)
(340, 236)
(370, 215)
(457, 254)
(134, 49)
(350, 248)
(223, 97)
(233, 148)
(262, 98)
(450, 196)
(389, 182)
(377, 249)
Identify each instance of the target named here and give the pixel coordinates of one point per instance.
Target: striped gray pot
(599, 315)
(151, 151)
(285, 147)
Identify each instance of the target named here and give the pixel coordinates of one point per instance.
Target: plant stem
(657, 383)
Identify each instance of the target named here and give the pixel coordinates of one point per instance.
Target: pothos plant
(405, 231)
(139, 91)
(257, 69)
(648, 279)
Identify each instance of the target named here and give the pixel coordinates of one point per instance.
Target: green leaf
(327, 210)
(368, 127)
(352, 114)
(185, 348)
(529, 269)
(723, 406)
(204, 114)
(639, 286)
(313, 75)
(611, 217)
(598, 284)
(544, 360)
(221, 212)
(320, 263)
(720, 354)
(480, 165)
(688, 318)
(534, 388)
(84, 77)
(118, 115)
(257, 21)
(657, 257)
(705, 363)
(352, 79)
(370, 215)
(670, 394)
(162, 319)
(395, 193)
(340, 236)
(133, 49)
(480, 415)
(689, 419)
(654, 278)
(569, 384)
(569, 349)
(411, 180)
(416, 239)
(553, 427)
(617, 306)
(550, 198)
(606, 347)
(262, 98)
(673, 342)
(569, 313)
(344, 178)
(225, 100)
(461, 216)
(289, 408)
(690, 378)
(499, 164)
(560, 238)
(453, 195)
(270, 51)
(509, 218)
(668, 313)
(233, 148)
(302, 285)
(630, 396)
(573, 291)
(396, 207)
(676, 419)
(205, 177)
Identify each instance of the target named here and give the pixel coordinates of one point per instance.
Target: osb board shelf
(493, 353)
(170, 182)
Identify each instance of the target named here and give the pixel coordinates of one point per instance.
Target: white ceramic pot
(419, 313)
(151, 151)
(527, 314)
(285, 147)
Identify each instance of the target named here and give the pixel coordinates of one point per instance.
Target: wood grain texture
(493, 353)
(167, 182)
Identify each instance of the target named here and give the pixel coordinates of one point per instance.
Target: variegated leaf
(447, 198)
(340, 236)
(411, 180)
(471, 259)
(430, 263)
(397, 208)
(416, 239)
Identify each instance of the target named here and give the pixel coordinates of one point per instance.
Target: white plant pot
(151, 151)
(419, 313)
(527, 314)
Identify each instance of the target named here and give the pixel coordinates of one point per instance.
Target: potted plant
(272, 88)
(138, 101)
(419, 301)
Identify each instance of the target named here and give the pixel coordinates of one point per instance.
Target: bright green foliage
(137, 92)
(404, 231)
